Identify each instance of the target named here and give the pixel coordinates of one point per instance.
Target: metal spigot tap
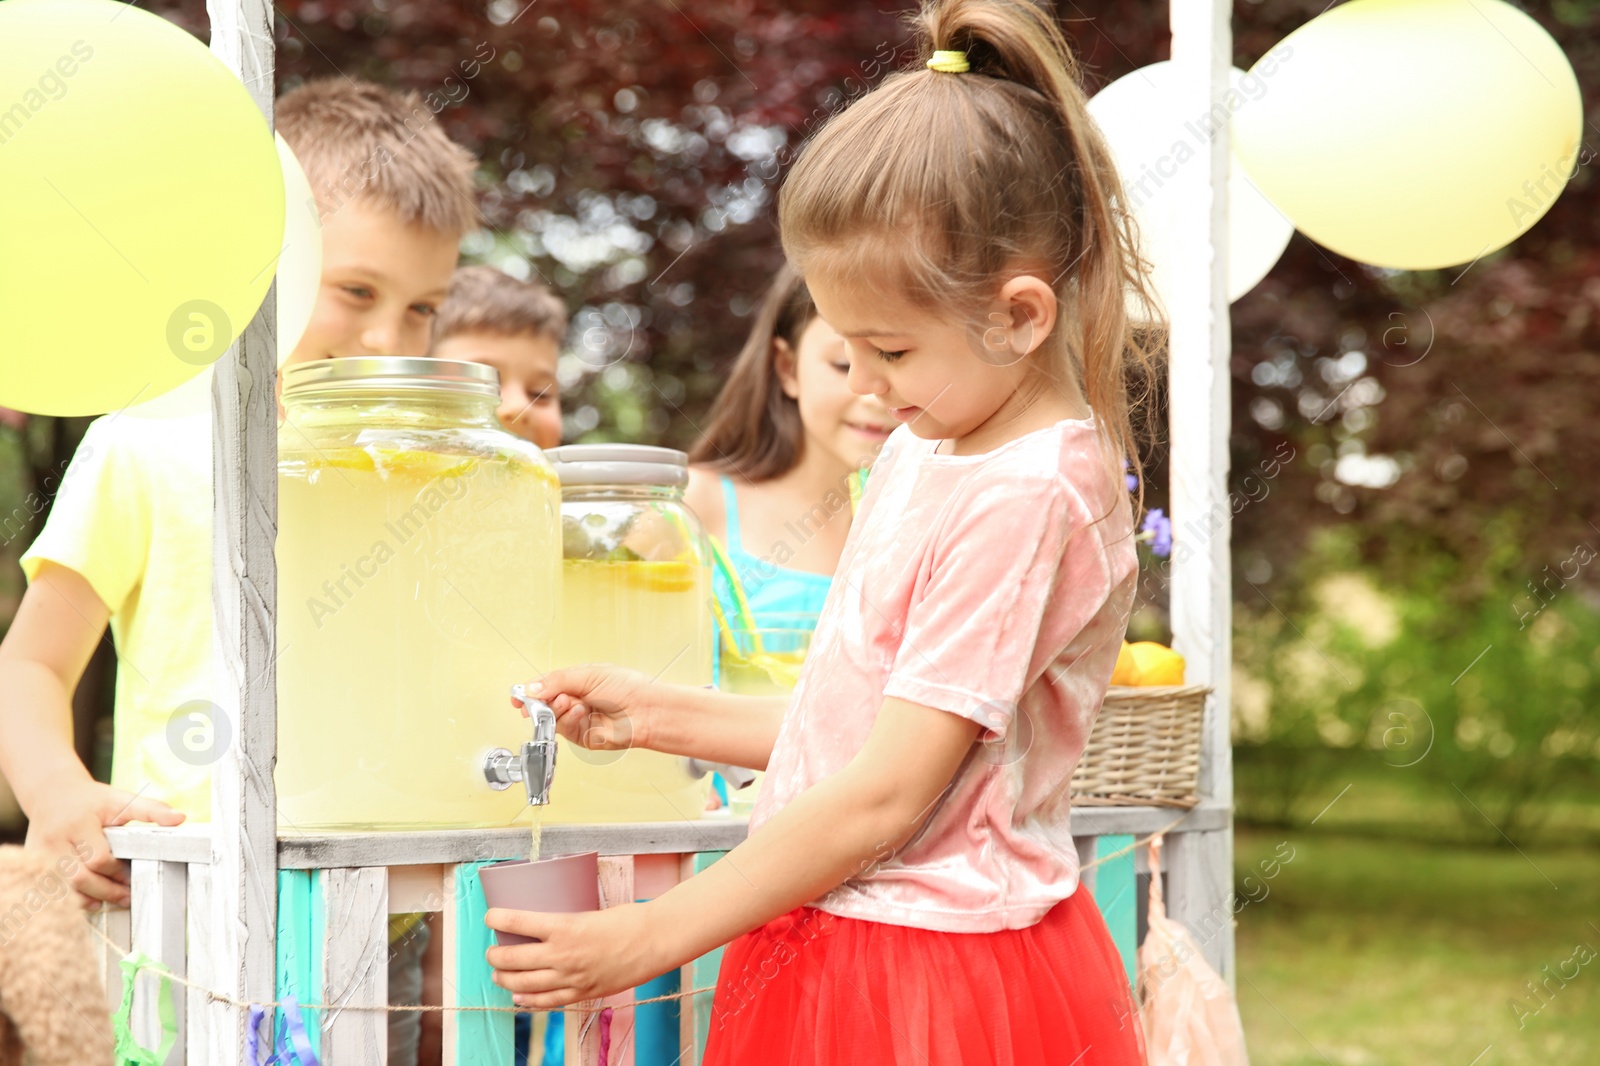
(535, 765)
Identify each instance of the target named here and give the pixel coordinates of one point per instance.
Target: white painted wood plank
(116, 924)
(1201, 421)
(584, 1030)
(302, 851)
(1142, 821)
(206, 1022)
(244, 595)
(1086, 855)
(1200, 892)
(663, 842)
(160, 924)
(180, 843)
(355, 965)
(449, 846)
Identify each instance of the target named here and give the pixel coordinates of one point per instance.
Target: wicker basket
(1144, 750)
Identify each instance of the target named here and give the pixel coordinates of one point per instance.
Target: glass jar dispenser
(419, 565)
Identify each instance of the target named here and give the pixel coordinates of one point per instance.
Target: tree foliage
(632, 151)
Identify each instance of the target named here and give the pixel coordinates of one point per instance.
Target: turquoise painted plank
(483, 1038)
(1115, 892)
(655, 1025)
(705, 970)
(301, 921)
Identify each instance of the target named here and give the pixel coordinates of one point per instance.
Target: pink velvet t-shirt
(996, 587)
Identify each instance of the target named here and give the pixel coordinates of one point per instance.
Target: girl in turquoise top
(775, 477)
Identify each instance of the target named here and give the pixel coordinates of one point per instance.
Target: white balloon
(299, 277)
(1152, 133)
(300, 261)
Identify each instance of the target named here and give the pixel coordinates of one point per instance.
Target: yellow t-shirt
(133, 517)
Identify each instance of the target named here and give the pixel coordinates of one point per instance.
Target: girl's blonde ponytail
(944, 183)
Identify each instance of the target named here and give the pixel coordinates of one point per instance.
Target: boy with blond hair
(516, 327)
(128, 540)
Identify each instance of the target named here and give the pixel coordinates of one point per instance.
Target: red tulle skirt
(813, 989)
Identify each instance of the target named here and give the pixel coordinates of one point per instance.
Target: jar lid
(619, 464)
(390, 373)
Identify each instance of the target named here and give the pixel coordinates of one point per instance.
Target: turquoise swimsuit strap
(730, 508)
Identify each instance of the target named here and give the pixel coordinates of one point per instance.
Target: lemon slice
(411, 462)
(670, 576)
(341, 459)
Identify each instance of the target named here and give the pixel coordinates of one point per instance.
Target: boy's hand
(602, 708)
(72, 824)
(581, 956)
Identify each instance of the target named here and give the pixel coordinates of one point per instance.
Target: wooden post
(355, 964)
(202, 1017)
(160, 912)
(116, 924)
(243, 890)
(1201, 413)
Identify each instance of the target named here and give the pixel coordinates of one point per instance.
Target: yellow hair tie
(949, 62)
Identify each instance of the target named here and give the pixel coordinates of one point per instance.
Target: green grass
(1383, 952)
(1358, 794)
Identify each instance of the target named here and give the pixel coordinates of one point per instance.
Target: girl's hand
(599, 707)
(589, 955)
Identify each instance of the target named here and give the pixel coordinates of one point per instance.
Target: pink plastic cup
(563, 885)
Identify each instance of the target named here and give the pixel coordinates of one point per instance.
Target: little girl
(783, 454)
(908, 890)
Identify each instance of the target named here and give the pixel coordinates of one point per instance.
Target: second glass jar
(636, 592)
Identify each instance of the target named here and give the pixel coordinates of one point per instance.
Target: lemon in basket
(1127, 671)
(1156, 664)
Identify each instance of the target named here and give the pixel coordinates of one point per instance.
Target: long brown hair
(754, 429)
(945, 184)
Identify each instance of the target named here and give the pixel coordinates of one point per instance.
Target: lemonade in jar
(636, 591)
(418, 578)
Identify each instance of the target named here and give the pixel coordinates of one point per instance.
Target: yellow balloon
(299, 279)
(1414, 134)
(143, 206)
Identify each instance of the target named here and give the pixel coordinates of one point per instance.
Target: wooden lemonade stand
(241, 915)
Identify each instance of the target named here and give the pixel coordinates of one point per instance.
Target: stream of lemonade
(653, 616)
(414, 589)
